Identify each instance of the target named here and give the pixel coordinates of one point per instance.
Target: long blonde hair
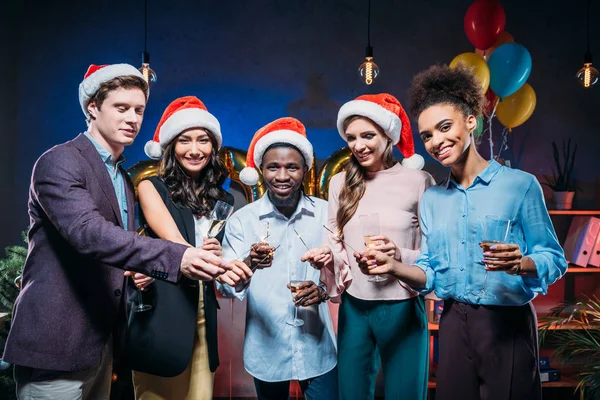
(354, 188)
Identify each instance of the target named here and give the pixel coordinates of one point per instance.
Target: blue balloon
(510, 66)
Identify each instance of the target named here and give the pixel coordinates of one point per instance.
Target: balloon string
(491, 139)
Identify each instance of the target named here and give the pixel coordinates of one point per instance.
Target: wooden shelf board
(565, 381)
(574, 269)
(574, 212)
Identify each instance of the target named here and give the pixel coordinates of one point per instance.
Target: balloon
(478, 131)
(504, 38)
(142, 170)
(510, 66)
(515, 109)
(491, 98)
(332, 166)
(484, 21)
(477, 64)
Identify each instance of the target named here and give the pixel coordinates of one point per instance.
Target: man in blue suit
(81, 238)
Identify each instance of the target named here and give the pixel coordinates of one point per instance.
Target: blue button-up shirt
(273, 350)
(116, 176)
(452, 225)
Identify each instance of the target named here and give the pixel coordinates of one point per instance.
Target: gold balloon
(310, 180)
(332, 166)
(142, 170)
(515, 109)
(479, 66)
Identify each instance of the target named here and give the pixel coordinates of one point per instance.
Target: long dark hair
(354, 185)
(199, 195)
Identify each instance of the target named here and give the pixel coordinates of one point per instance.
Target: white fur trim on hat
(90, 85)
(387, 120)
(153, 150)
(283, 136)
(249, 176)
(416, 161)
(186, 119)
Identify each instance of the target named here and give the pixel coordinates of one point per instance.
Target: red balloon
(491, 97)
(484, 21)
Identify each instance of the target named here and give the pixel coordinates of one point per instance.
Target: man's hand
(240, 274)
(141, 281)
(198, 264)
(308, 293)
(261, 255)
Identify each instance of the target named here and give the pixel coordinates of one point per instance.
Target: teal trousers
(393, 333)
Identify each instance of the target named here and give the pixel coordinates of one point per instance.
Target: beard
(289, 201)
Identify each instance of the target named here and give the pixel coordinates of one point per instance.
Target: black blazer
(160, 341)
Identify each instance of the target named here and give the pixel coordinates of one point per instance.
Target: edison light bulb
(148, 73)
(588, 75)
(368, 70)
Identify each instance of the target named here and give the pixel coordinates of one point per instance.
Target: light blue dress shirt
(273, 350)
(452, 225)
(116, 176)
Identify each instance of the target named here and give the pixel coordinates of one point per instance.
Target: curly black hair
(441, 84)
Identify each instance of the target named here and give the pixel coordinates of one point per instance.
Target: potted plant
(561, 182)
(580, 339)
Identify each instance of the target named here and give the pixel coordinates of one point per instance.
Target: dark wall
(255, 61)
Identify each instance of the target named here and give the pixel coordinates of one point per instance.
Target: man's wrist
(323, 293)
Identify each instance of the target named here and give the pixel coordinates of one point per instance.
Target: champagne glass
(140, 306)
(495, 231)
(370, 227)
(294, 274)
(218, 216)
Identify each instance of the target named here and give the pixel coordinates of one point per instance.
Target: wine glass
(495, 231)
(218, 216)
(370, 227)
(295, 274)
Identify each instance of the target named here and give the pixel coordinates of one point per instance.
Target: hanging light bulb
(147, 72)
(588, 75)
(368, 70)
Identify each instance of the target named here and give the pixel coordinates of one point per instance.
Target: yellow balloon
(515, 109)
(479, 66)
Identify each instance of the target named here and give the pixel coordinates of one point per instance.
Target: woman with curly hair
(175, 343)
(379, 320)
(488, 330)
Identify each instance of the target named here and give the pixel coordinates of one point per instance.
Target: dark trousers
(322, 387)
(488, 353)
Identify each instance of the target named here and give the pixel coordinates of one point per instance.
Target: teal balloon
(510, 66)
(478, 131)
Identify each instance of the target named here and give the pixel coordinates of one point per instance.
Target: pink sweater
(394, 194)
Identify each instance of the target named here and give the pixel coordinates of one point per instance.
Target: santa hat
(283, 130)
(96, 75)
(387, 112)
(182, 114)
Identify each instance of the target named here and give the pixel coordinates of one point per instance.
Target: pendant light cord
(369, 25)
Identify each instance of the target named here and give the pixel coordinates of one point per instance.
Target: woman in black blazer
(174, 344)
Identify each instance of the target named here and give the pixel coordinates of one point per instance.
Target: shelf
(573, 269)
(565, 381)
(574, 212)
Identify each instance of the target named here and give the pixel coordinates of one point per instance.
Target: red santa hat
(96, 75)
(283, 130)
(183, 113)
(387, 112)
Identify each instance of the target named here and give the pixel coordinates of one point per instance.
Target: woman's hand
(502, 257)
(375, 262)
(319, 257)
(213, 246)
(388, 247)
(141, 281)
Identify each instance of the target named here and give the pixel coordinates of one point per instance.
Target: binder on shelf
(581, 240)
(595, 257)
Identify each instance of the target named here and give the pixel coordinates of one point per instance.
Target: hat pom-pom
(153, 150)
(414, 162)
(249, 176)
